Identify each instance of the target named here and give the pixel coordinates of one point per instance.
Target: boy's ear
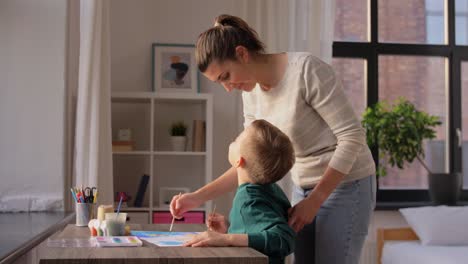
(240, 162)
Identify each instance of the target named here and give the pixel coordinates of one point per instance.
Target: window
(461, 22)
(352, 72)
(352, 26)
(411, 21)
(421, 80)
(414, 49)
(464, 134)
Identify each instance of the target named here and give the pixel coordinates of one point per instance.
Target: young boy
(262, 155)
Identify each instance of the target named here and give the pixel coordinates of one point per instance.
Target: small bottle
(102, 210)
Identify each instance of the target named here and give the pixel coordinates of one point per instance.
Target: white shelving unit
(149, 116)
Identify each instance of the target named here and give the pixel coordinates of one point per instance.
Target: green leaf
(178, 129)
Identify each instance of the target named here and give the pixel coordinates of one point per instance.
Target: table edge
(30, 244)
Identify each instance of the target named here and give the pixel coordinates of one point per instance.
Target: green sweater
(261, 212)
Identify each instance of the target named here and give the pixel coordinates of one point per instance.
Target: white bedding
(401, 252)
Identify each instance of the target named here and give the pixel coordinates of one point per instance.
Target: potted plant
(178, 136)
(399, 131)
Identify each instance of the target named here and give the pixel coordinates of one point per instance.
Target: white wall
(135, 25)
(32, 64)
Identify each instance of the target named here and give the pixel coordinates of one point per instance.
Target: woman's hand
(217, 223)
(209, 238)
(183, 203)
(303, 213)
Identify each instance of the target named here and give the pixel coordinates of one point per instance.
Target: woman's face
(232, 75)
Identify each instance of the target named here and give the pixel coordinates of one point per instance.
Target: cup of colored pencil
(85, 200)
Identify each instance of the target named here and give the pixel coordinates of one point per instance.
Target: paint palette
(118, 241)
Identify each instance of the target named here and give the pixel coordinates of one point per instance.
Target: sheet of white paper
(165, 239)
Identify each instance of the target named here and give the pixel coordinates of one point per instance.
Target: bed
(402, 245)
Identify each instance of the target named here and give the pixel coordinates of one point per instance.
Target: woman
(334, 192)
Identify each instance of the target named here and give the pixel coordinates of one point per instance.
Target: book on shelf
(141, 191)
(122, 145)
(198, 137)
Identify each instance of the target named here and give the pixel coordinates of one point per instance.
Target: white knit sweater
(310, 106)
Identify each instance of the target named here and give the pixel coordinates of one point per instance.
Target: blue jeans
(337, 234)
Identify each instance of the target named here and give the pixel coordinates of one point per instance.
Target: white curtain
(93, 135)
(293, 25)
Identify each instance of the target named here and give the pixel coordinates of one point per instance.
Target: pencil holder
(84, 213)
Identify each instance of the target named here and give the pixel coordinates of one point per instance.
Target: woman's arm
(223, 184)
(325, 94)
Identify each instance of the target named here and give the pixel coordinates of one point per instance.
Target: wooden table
(148, 253)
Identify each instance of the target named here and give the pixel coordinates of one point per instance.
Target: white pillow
(439, 225)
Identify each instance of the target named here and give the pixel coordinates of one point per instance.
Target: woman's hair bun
(228, 20)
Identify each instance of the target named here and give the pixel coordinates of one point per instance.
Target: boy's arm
(238, 240)
(215, 239)
(267, 231)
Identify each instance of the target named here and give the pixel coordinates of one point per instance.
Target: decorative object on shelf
(122, 146)
(141, 191)
(199, 131)
(166, 194)
(178, 136)
(121, 197)
(174, 68)
(399, 132)
(124, 134)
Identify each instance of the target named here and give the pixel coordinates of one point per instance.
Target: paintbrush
(212, 213)
(173, 218)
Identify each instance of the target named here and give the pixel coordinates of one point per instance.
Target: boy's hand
(207, 239)
(183, 203)
(218, 223)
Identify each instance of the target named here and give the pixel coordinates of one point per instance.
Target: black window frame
(455, 54)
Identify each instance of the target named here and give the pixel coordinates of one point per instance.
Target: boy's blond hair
(268, 152)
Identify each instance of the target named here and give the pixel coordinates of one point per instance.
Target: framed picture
(174, 68)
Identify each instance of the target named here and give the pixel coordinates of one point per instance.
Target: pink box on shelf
(193, 217)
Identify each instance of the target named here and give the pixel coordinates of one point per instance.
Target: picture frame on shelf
(174, 68)
(124, 134)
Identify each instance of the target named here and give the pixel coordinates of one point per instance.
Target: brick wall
(419, 79)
